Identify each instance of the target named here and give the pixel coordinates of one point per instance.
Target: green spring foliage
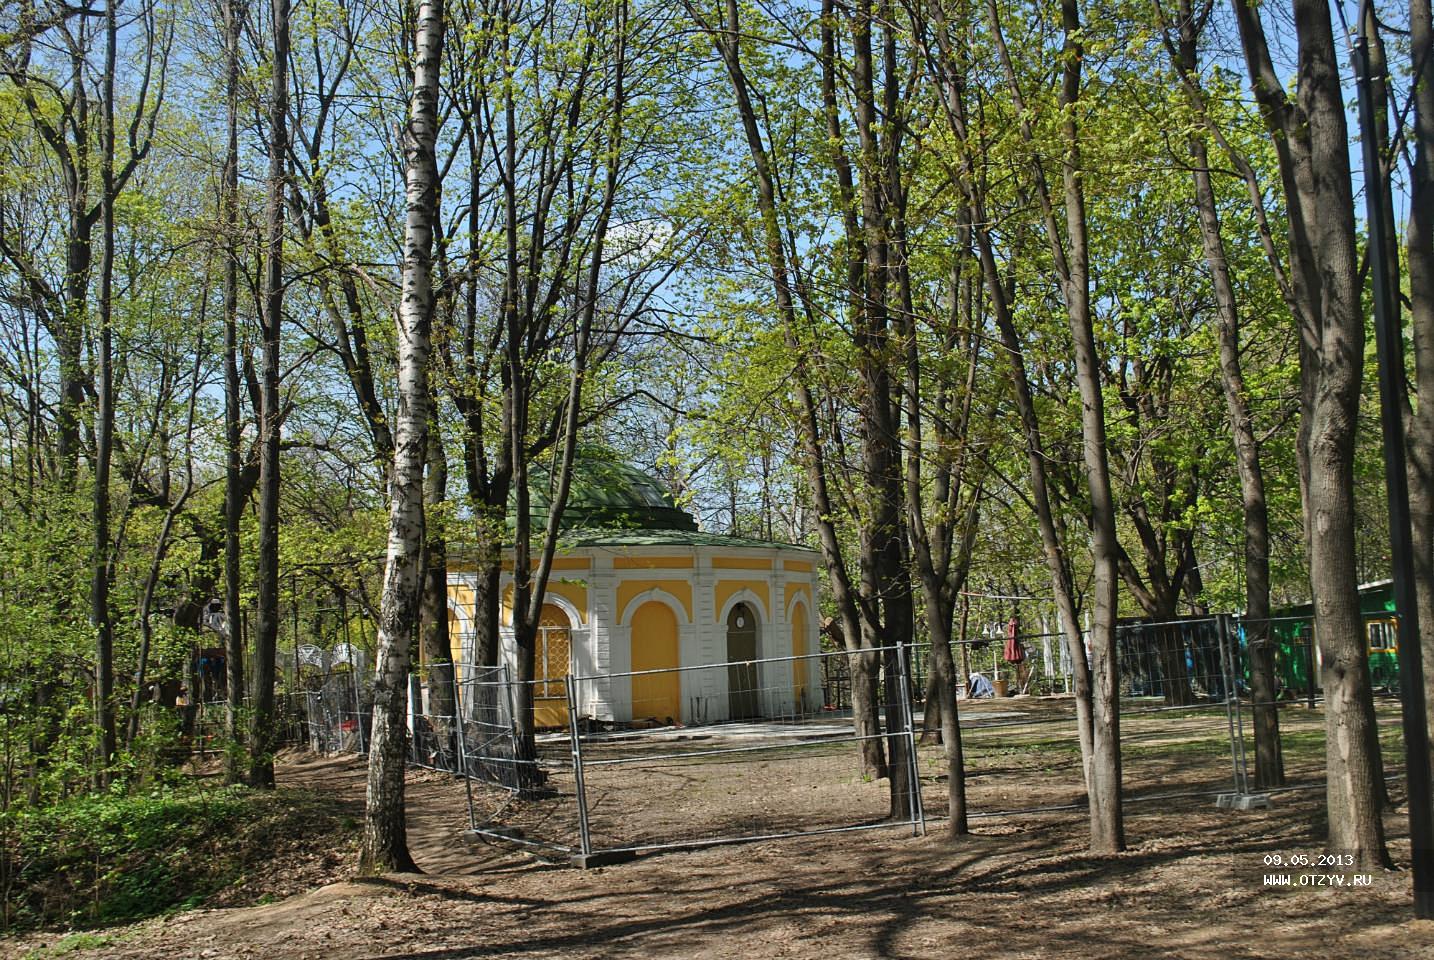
(110, 858)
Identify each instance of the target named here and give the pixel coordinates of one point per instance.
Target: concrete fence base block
(1243, 801)
(602, 858)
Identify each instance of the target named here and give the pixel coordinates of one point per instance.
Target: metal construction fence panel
(1177, 722)
(620, 762)
(749, 763)
(1180, 709)
(291, 724)
(647, 759)
(338, 711)
(1187, 713)
(490, 746)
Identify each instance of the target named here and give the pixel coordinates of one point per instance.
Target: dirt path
(1190, 886)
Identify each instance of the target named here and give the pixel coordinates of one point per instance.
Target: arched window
(553, 656)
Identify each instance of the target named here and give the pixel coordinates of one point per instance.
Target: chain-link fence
(587, 765)
(751, 757)
(1187, 722)
(290, 725)
(649, 759)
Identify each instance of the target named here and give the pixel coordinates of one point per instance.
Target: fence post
(1236, 674)
(358, 706)
(584, 838)
(462, 744)
(913, 768)
(1231, 703)
(512, 704)
(416, 713)
(457, 716)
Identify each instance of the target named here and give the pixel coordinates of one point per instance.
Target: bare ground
(1020, 886)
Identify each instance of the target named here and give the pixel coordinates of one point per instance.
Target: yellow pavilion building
(657, 621)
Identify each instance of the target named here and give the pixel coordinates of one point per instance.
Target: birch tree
(385, 843)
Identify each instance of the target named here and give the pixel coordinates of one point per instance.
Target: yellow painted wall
(654, 647)
(455, 644)
(652, 563)
(798, 566)
(559, 563)
(741, 563)
(726, 589)
(799, 649)
(628, 589)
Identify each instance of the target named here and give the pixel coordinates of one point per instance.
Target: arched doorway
(742, 677)
(552, 655)
(799, 667)
(655, 696)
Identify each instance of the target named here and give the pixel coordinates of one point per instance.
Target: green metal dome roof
(606, 494)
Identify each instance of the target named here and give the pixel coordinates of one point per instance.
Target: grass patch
(112, 858)
(71, 944)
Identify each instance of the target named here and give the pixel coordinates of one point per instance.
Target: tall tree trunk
(104, 424)
(1378, 68)
(885, 596)
(940, 564)
(437, 650)
(1097, 693)
(1354, 786)
(516, 408)
(863, 662)
(266, 632)
(166, 530)
(385, 840)
(863, 666)
(234, 494)
(1107, 826)
(1269, 760)
(69, 339)
(488, 484)
(1420, 250)
(1310, 140)
(530, 574)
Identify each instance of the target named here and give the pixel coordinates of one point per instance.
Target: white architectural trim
(660, 595)
(465, 621)
(799, 597)
(575, 620)
(747, 596)
(467, 633)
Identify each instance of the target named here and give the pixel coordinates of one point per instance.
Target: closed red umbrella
(1015, 653)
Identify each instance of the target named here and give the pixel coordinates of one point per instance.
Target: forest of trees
(1053, 298)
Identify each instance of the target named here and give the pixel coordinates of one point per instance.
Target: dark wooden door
(742, 677)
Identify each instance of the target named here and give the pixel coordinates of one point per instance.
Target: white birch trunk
(385, 845)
